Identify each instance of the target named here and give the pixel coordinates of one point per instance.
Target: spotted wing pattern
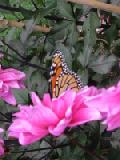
(61, 78)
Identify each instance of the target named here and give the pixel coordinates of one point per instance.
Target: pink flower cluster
(1, 144)
(10, 78)
(53, 116)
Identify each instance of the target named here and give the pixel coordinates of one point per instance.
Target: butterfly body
(62, 78)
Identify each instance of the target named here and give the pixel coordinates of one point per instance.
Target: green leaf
(72, 34)
(21, 95)
(50, 43)
(58, 33)
(89, 27)
(11, 34)
(27, 14)
(36, 81)
(59, 30)
(111, 33)
(27, 31)
(102, 64)
(65, 9)
(17, 45)
(85, 56)
(39, 83)
(72, 153)
(4, 2)
(46, 11)
(83, 76)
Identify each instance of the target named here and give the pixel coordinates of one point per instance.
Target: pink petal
(11, 74)
(13, 84)
(35, 99)
(113, 122)
(26, 138)
(19, 126)
(9, 98)
(1, 130)
(44, 116)
(59, 128)
(62, 103)
(47, 100)
(98, 103)
(84, 115)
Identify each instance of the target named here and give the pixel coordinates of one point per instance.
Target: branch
(2, 114)
(46, 155)
(14, 9)
(97, 4)
(56, 18)
(23, 60)
(43, 149)
(21, 24)
(22, 57)
(35, 5)
(1, 120)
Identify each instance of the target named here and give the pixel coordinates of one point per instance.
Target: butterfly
(61, 78)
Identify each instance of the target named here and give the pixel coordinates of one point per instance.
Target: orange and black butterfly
(61, 78)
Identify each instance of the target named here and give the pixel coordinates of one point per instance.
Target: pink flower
(107, 101)
(1, 144)
(10, 78)
(51, 116)
(111, 99)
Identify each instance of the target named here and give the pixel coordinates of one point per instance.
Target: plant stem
(1, 120)
(98, 4)
(46, 155)
(21, 24)
(42, 149)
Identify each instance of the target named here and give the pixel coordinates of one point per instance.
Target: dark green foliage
(95, 57)
(21, 95)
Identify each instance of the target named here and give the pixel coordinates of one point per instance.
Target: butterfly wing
(64, 82)
(62, 78)
(56, 69)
